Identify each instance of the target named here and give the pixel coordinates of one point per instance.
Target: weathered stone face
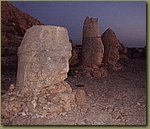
(93, 49)
(42, 67)
(111, 47)
(43, 57)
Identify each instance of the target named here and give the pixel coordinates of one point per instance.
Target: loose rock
(80, 97)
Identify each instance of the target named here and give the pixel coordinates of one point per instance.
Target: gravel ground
(119, 99)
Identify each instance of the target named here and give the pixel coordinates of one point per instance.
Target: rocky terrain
(102, 86)
(119, 99)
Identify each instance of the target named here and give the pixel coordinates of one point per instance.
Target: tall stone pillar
(93, 49)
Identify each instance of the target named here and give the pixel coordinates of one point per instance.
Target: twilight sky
(126, 19)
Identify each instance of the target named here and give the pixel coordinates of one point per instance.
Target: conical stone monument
(112, 47)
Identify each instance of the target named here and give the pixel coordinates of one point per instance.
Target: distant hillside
(14, 24)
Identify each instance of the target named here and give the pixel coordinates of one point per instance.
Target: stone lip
(49, 26)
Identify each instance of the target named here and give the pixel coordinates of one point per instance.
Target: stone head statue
(43, 57)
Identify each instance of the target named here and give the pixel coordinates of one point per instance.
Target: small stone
(86, 120)
(63, 113)
(34, 103)
(42, 100)
(12, 98)
(80, 97)
(138, 103)
(99, 123)
(67, 106)
(110, 109)
(11, 87)
(23, 114)
(82, 123)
